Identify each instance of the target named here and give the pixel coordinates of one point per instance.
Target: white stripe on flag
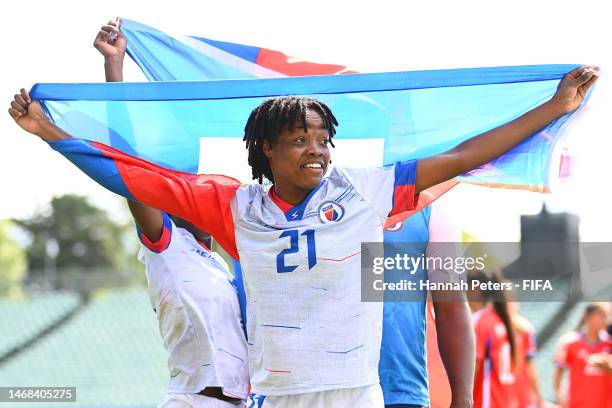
(227, 58)
(224, 155)
(358, 152)
(227, 155)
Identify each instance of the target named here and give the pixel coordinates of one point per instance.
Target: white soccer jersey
(307, 328)
(198, 313)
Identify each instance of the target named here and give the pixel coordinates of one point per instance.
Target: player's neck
(293, 196)
(591, 336)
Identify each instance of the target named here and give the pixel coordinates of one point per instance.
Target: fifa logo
(330, 211)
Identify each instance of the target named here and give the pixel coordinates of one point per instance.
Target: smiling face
(299, 158)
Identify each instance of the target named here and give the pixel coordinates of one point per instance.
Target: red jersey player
(526, 387)
(495, 349)
(589, 386)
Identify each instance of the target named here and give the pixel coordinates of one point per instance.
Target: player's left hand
(574, 86)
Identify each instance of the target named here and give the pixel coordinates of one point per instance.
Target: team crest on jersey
(330, 211)
(395, 227)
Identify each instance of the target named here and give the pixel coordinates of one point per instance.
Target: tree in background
(13, 264)
(73, 235)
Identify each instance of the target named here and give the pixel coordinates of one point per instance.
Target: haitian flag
(164, 57)
(197, 126)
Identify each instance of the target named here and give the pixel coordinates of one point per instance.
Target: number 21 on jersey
(295, 241)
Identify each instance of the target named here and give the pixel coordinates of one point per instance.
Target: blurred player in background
(190, 289)
(527, 384)
(584, 353)
(496, 345)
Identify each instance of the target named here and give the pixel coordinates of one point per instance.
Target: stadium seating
(544, 358)
(23, 320)
(110, 351)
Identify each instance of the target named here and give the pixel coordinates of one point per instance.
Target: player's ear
(267, 148)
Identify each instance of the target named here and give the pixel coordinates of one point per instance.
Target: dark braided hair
(270, 118)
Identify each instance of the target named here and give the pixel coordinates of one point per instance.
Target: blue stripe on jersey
(348, 189)
(297, 212)
(405, 172)
(239, 284)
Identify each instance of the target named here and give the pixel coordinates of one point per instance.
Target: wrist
(49, 132)
(556, 106)
(462, 402)
(113, 69)
(114, 60)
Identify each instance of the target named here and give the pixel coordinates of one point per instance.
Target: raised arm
(112, 45)
(489, 145)
(201, 199)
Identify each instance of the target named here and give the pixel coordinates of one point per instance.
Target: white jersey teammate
(197, 308)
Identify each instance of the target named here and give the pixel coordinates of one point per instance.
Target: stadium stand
(110, 351)
(546, 352)
(25, 320)
(539, 313)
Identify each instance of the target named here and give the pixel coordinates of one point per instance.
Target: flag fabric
(163, 57)
(197, 126)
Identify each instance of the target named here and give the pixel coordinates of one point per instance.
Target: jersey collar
(293, 212)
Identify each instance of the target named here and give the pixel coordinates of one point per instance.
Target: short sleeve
(163, 242)
(404, 187)
(562, 355)
(389, 190)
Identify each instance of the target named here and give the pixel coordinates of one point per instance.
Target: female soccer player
(496, 347)
(311, 341)
(190, 290)
(589, 386)
(527, 384)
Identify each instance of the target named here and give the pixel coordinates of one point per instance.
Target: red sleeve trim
(163, 242)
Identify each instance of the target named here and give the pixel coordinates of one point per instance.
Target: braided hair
(270, 118)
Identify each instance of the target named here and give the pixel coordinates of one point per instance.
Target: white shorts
(361, 397)
(195, 401)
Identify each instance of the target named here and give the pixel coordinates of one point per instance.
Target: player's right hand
(110, 41)
(28, 114)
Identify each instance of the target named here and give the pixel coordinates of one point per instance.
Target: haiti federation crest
(330, 211)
